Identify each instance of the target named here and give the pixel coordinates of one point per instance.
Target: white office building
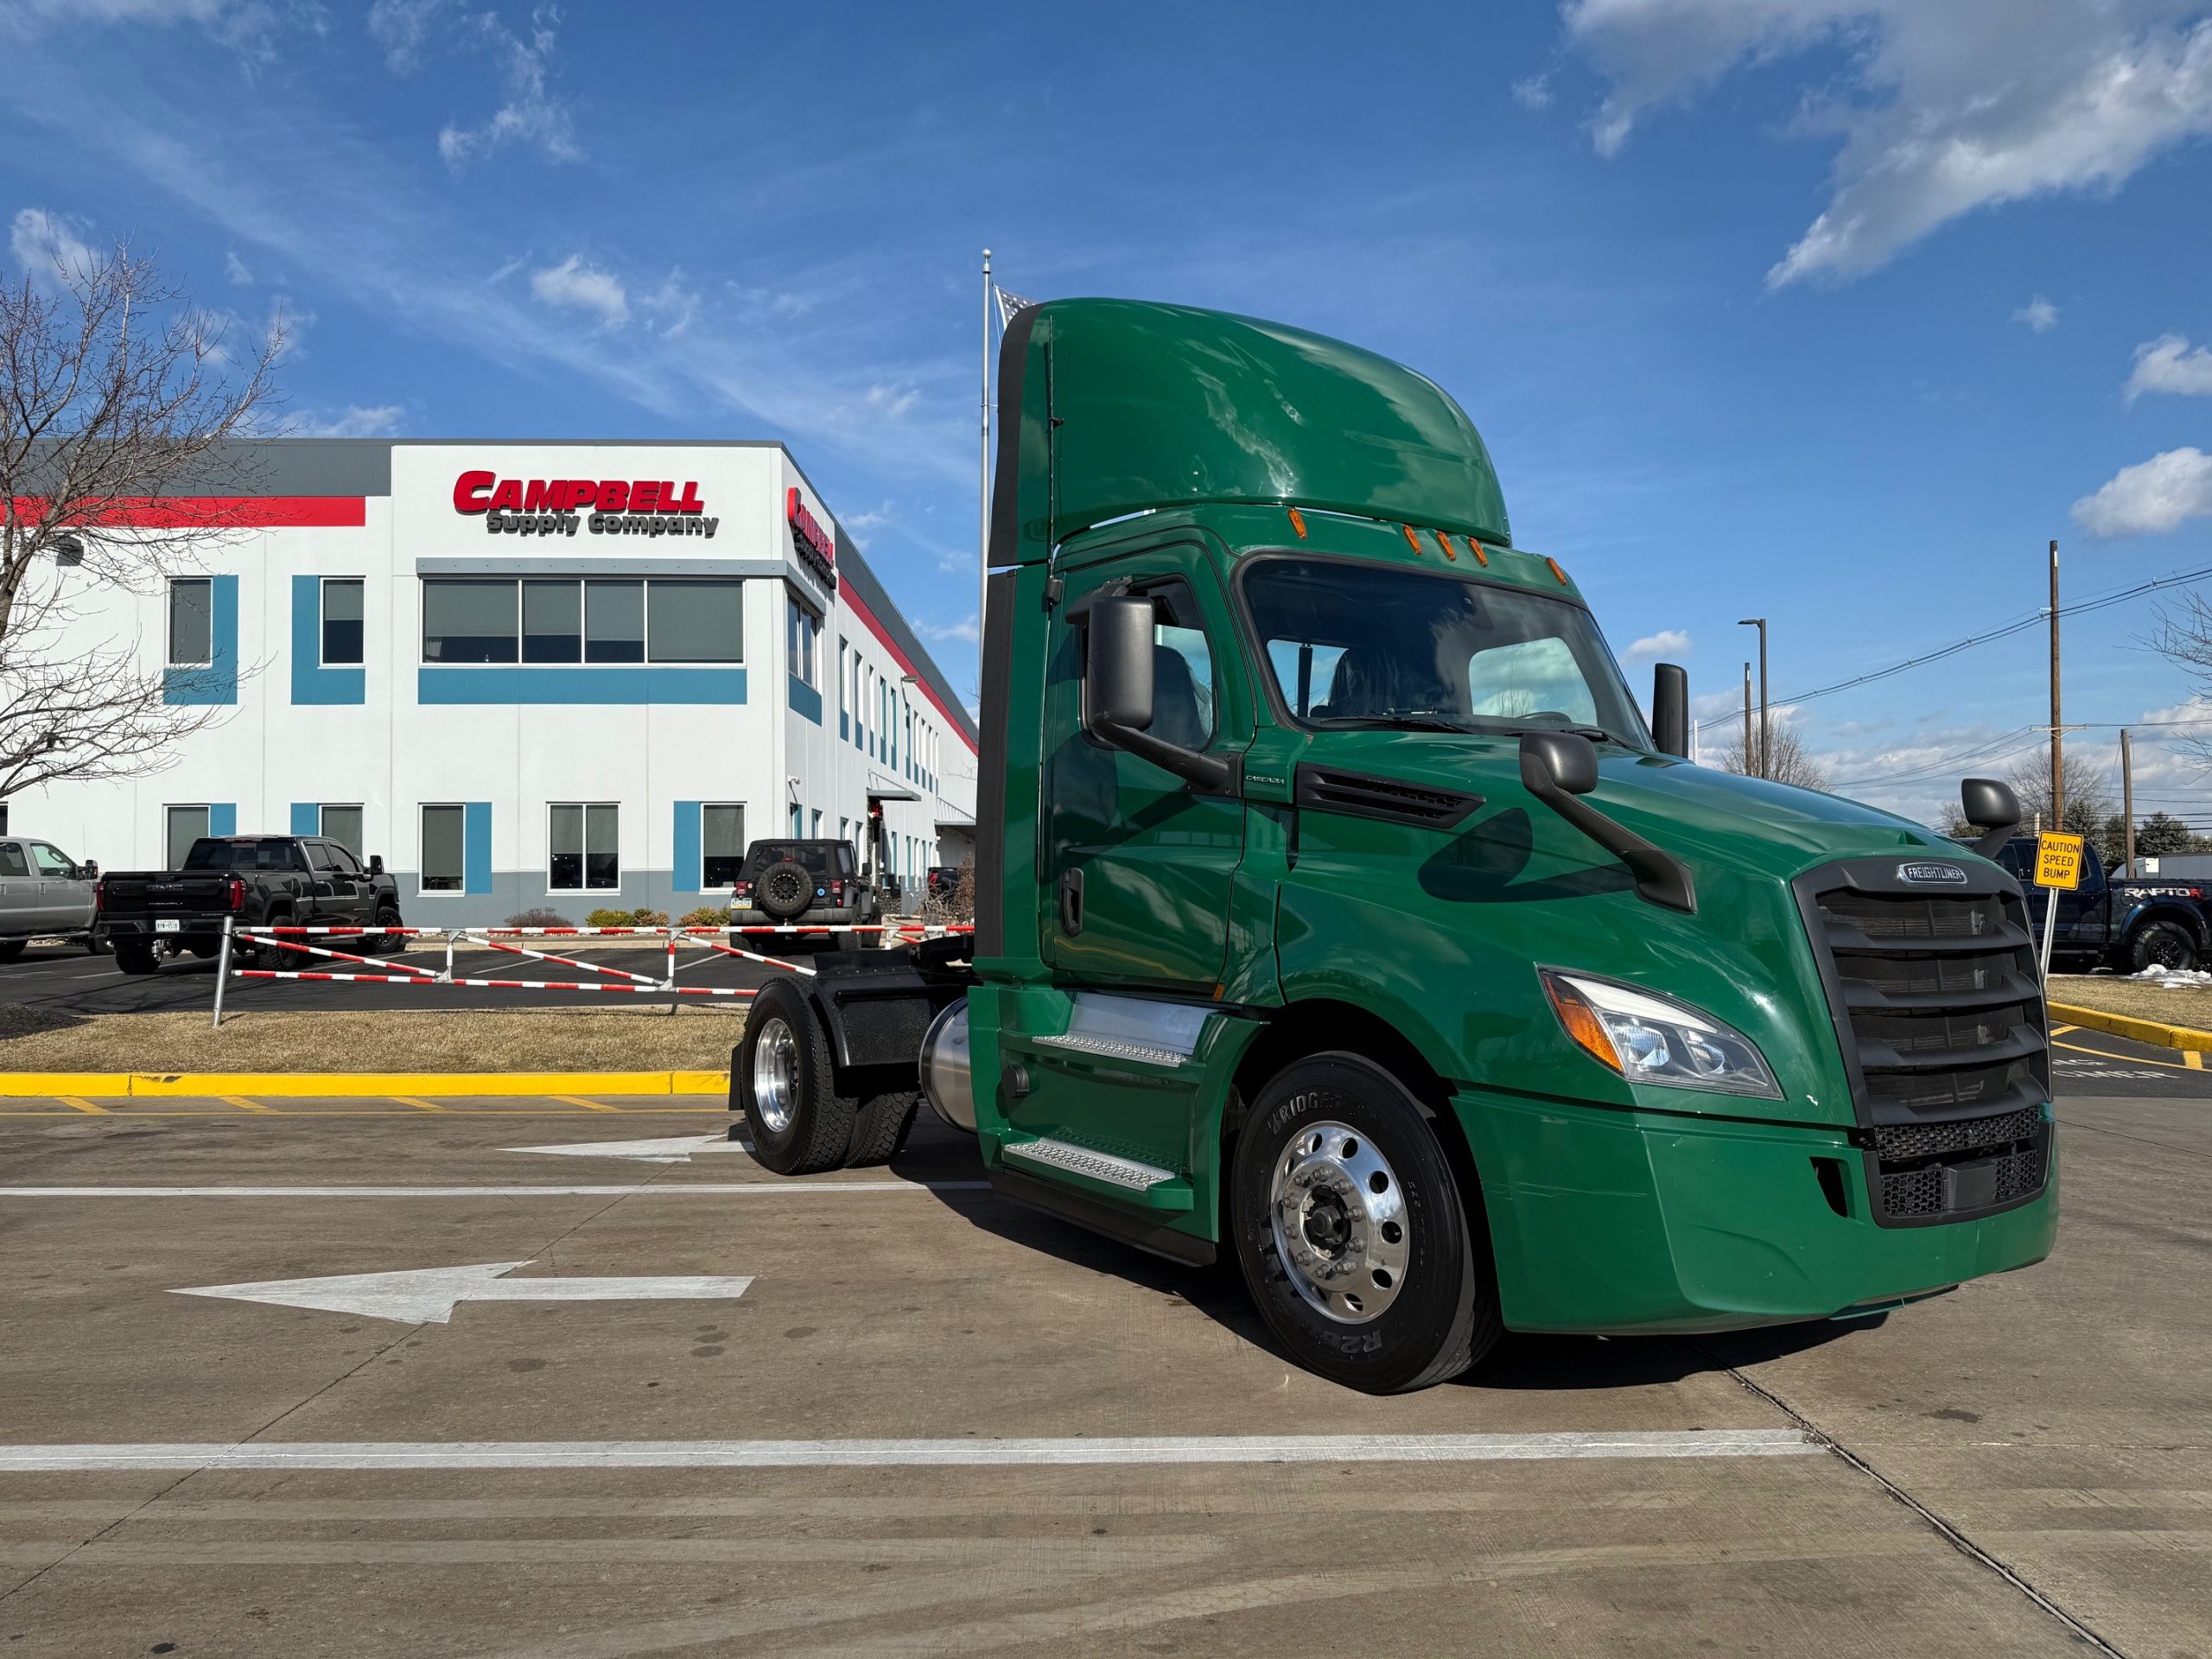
(533, 676)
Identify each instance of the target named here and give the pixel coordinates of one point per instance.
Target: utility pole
(2127, 802)
(1748, 772)
(1766, 733)
(983, 471)
(2058, 733)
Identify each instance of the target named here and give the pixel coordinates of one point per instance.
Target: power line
(2036, 619)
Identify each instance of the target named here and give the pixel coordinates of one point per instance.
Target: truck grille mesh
(1942, 1014)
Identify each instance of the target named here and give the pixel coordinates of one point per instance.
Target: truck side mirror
(89, 869)
(1117, 689)
(376, 863)
(1990, 806)
(1557, 768)
(1117, 696)
(1670, 710)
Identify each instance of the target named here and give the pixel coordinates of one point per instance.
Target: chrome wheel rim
(1340, 1221)
(775, 1075)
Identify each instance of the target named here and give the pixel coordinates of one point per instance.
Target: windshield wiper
(1407, 722)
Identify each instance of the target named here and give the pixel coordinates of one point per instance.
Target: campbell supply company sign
(816, 547)
(563, 507)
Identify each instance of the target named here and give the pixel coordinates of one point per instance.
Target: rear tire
(2162, 944)
(782, 1080)
(1350, 1229)
(136, 957)
(880, 1131)
(96, 943)
(10, 948)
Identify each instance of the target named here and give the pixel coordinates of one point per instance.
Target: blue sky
(1834, 311)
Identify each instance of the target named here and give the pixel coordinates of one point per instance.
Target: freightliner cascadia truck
(1337, 910)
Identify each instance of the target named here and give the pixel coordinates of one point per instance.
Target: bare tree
(1792, 762)
(2090, 801)
(118, 397)
(2183, 637)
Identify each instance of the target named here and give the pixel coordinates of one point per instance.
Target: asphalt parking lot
(883, 1413)
(66, 978)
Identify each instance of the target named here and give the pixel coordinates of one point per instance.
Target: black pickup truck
(2126, 926)
(253, 882)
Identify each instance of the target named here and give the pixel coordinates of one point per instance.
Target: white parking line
(656, 1190)
(169, 1457)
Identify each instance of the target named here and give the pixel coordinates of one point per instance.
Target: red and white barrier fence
(716, 941)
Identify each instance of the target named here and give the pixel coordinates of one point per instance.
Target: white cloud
(1533, 91)
(576, 286)
(963, 630)
(2167, 364)
(530, 112)
(49, 248)
(1941, 109)
(401, 26)
(2150, 497)
(2040, 315)
(381, 420)
(235, 269)
(1668, 642)
(893, 402)
(672, 308)
(251, 28)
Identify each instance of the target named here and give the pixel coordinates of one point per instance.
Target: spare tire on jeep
(784, 890)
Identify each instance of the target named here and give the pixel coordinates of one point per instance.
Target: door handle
(1071, 902)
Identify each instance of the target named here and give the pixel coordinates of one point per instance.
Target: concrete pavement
(2028, 1457)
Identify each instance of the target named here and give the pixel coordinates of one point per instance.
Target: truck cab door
(2085, 915)
(1138, 869)
(23, 894)
(66, 904)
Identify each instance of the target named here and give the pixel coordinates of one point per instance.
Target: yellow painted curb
(325, 1085)
(2153, 1032)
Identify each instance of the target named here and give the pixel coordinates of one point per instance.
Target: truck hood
(1471, 910)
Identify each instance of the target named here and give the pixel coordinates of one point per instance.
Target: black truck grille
(1940, 1013)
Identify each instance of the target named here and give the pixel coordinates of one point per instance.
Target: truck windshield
(1355, 643)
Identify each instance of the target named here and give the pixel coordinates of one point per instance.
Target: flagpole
(983, 481)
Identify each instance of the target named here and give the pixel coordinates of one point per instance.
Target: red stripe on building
(883, 636)
(217, 512)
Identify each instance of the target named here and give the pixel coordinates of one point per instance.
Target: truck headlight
(1650, 1039)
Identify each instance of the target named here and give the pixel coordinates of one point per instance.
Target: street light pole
(1766, 731)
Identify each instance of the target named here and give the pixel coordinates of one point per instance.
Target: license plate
(168, 924)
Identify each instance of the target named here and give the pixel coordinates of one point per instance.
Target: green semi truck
(1338, 910)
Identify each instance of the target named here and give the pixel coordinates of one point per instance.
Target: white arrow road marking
(658, 1189)
(671, 1149)
(886, 1454)
(427, 1295)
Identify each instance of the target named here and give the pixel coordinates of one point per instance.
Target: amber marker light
(1445, 541)
(1476, 547)
(1556, 571)
(1413, 540)
(1298, 523)
(1579, 1019)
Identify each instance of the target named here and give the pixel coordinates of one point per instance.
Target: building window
(614, 621)
(721, 844)
(797, 819)
(343, 825)
(587, 851)
(696, 621)
(342, 622)
(802, 629)
(445, 847)
(192, 623)
(552, 622)
(844, 689)
(186, 825)
(468, 621)
(815, 832)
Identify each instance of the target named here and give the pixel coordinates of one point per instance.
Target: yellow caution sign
(2058, 860)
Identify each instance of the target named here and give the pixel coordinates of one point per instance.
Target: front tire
(2162, 944)
(782, 1079)
(1351, 1232)
(386, 943)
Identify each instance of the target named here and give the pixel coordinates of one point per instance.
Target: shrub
(540, 917)
(706, 916)
(643, 917)
(610, 918)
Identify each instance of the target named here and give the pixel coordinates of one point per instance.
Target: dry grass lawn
(691, 1039)
(2136, 999)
